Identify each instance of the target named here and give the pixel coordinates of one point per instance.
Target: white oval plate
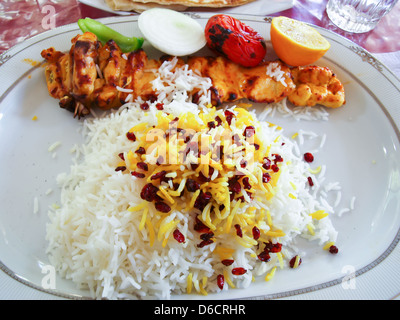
(361, 152)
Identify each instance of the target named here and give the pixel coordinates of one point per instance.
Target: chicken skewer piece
(316, 85)
(71, 76)
(270, 82)
(231, 82)
(92, 75)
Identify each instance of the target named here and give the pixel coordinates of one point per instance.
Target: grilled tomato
(235, 40)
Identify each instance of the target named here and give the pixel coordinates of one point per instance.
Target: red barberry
(227, 262)
(264, 256)
(149, 192)
(162, 207)
(138, 174)
(293, 261)
(220, 281)
(308, 157)
(333, 249)
(256, 233)
(131, 136)
(238, 231)
(238, 271)
(266, 177)
(143, 166)
(178, 236)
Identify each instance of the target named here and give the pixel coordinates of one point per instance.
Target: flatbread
(131, 5)
(178, 5)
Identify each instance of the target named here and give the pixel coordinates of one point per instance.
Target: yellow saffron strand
(271, 274)
(189, 284)
(150, 228)
(228, 279)
(143, 220)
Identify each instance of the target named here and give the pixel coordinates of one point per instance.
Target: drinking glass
(358, 16)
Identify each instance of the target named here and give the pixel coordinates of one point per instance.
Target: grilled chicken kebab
(91, 74)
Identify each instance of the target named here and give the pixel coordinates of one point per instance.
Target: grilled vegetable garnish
(93, 75)
(171, 32)
(105, 33)
(235, 40)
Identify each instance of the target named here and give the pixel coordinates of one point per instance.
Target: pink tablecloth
(22, 19)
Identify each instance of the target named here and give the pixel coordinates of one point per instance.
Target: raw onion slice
(171, 32)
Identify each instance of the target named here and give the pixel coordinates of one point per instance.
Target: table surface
(22, 19)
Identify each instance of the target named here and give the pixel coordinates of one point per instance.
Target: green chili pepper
(104, 34)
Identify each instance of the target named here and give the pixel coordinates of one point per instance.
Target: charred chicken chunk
(316, 85)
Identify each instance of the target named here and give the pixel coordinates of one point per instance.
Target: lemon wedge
(296, 43)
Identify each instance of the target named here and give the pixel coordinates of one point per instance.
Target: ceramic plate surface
(361, 152)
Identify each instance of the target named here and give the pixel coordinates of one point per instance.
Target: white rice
(35, 205)
(297, 113)
(274, 70)
(96, 242)
(54, 146)
(124, 89)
